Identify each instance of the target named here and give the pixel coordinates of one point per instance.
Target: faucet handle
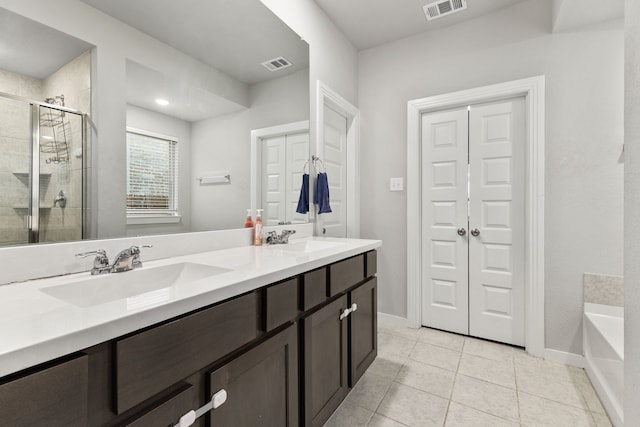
(99, 253)
(135, 252)
(100, 262)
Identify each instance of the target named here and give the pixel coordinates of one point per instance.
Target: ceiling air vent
(442, 8)
(276, 64)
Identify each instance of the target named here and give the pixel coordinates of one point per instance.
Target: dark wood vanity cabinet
(286, 354)
(340, 339)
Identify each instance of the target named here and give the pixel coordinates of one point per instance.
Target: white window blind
(152, 174)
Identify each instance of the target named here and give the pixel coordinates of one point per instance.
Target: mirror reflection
(190, 97)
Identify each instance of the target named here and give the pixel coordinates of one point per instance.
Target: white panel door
(496, 221)
(335, 161)
(444, 211)
(297, 148)
(274, 179)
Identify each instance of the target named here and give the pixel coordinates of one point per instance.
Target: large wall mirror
(192, 80)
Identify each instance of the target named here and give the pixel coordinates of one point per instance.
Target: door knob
(475, 232)
(461, 231)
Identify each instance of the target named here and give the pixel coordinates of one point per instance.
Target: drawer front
(314, 288)
(55, 396)
(280, 303)
(153, 360)
(169, 411)
(345, 274)
(371, 263)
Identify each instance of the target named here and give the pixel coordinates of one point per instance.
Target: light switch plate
(396, 184)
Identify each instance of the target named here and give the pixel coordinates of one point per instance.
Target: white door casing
(444, 211)
(335, 162)
(533, 90)
(496, 213)
(274, 175)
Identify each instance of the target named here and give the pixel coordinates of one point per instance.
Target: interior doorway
(473, 216)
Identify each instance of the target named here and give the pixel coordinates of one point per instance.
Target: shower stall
(42, 171)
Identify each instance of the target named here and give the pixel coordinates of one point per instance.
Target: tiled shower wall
(56, 224)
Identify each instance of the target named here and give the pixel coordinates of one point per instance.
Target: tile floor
(427, 377)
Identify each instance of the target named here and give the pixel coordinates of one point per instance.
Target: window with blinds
(152, 174)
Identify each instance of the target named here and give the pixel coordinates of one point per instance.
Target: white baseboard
(565, 358)
(385, 319)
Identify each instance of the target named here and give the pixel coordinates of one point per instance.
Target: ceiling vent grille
(442, 8)
(275, 64)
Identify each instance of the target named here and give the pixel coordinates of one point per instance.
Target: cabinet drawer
(345, 274)
(153, 360)
(280, 303)
(314, 288)
(371, 263)
(54, 396)
(169, 410)
(261, 385)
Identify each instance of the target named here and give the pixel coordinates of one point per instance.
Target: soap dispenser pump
(257, 230)
(248, 223)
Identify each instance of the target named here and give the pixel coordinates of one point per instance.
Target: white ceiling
(20, 37)
(369, 23)
(234, 36)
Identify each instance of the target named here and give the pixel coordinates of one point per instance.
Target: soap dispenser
(257, 230)
(248, 223)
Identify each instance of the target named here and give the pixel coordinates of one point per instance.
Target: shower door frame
(33, 212)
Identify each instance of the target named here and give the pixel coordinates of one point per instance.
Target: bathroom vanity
(277, 338)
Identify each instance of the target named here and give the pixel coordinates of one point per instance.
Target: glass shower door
(16, 169)
(61, 175)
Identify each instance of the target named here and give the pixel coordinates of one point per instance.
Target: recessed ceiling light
(162, 102)
(47, 137)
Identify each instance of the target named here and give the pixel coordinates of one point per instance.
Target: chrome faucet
(100, 263)
(272, 237)
(126, 260)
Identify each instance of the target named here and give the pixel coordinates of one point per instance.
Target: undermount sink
(310, 246)
(116, 286)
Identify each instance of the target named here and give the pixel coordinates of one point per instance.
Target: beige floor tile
(501, 373)
(488, 349)
(487, 397)
(394, 345)
(380, 421)
(348, 415)
(369, 391)
(538, 412)
(413, 407)
(441, 338)
(542, 383)
(601, 420)
(387, 365)
(427, 378)
(436, 356)
(401, 331)
(590, 397)
(463, 416)
(550, 370)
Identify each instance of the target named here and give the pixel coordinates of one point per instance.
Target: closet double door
(473, 216)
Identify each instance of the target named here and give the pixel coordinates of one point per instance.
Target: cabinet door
(363, 329)
(261, 385)
(325, 362)
(54, 396)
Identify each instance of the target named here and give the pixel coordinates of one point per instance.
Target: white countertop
(36, 327)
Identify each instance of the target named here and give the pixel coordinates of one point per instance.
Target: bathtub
(603, 334)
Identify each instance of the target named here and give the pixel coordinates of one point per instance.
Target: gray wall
(222, 144)
(584, 131)
(144, 119)
(632, 207)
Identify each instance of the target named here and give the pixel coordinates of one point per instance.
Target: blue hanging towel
(303, 201)
(321, 196)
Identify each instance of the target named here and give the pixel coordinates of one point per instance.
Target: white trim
(533, 89)
(385, 319)
(145, 132)
(326, 96)
(564, 358)
(153, 219)
(256, 154)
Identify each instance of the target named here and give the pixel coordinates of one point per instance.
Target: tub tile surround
(485, 384)
(603, 289)
(37, 327)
